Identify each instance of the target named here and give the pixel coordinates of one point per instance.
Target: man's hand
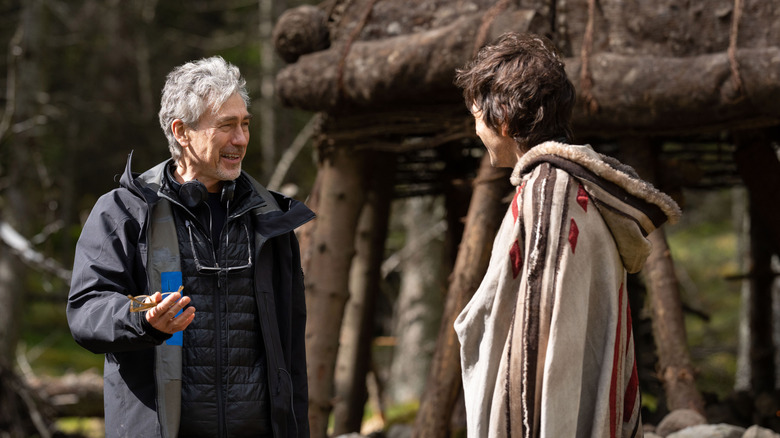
(163, 315)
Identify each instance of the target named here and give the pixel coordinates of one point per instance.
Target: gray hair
(195, 87)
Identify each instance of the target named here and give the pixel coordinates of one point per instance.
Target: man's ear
(180, 132)
(504, 130)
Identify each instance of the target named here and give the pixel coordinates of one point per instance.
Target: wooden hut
(379, 74)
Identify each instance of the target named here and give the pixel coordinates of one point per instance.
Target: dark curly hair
(519, 81)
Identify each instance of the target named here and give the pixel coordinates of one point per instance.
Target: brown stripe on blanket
(562, 238)
(523, 372)
(507, 381)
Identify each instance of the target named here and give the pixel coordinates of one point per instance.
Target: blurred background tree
(81, 84)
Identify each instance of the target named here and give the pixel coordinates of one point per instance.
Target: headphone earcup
(228, 190)
(192, 193)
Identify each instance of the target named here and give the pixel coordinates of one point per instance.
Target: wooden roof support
(759, 304)
(482, 222)
(331, 248)
(674, 362)
(357, 332)
(759, 167)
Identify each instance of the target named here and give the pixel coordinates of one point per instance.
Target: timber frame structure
(686, 92)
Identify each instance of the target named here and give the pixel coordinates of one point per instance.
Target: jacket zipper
(272, 386)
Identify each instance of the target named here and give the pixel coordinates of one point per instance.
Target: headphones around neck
(193, 193)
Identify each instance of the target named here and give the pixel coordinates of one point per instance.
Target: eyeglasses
(216, 268)
(140, 303)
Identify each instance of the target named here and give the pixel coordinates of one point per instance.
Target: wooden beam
(415, 67)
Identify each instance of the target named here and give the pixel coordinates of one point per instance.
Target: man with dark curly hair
(546, 342)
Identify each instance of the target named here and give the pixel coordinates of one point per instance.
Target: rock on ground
(679, 419)
(709, 431)
(760, 432)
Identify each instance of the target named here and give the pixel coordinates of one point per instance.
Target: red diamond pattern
(516, 257)
(515, 207)
(582, 198)
(574, 232)
(515, 211)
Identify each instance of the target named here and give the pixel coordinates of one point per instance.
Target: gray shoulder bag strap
(164, 271)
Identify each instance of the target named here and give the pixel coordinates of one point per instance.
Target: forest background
(81, 82)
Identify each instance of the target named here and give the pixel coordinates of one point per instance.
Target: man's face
(501, 148)
(217, 145)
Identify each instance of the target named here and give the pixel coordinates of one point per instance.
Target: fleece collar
(604, 167)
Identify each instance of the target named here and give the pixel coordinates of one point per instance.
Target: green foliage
(86, 427)
(704, 248)
(47, 343)
(403, 413)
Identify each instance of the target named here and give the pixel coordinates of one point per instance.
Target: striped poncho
(546, 342)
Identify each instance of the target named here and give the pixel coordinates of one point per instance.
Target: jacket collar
(284, 214)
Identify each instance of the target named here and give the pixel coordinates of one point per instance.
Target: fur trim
(603, 166)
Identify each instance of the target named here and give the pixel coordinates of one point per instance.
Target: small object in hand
(140, 303)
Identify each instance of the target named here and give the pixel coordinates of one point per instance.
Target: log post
(759, 168)
(331, 247)
(482, 223)
(354, 357)
(761, 345)
(674, 362)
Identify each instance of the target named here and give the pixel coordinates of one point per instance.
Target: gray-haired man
(188, 278)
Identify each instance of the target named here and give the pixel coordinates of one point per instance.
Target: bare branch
(289, 155)
(47, 231)
(24, 249)
(14, 50)
(392, 262)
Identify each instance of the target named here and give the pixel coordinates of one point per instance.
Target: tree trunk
(482, 223)
(759, 168)
(419, 305)
(742, 220)
(674, 362)
(327, 286)
(761, 347)
(277, 124)
(774, 284)
(10, 290)
(22, 108)
(354, 356)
